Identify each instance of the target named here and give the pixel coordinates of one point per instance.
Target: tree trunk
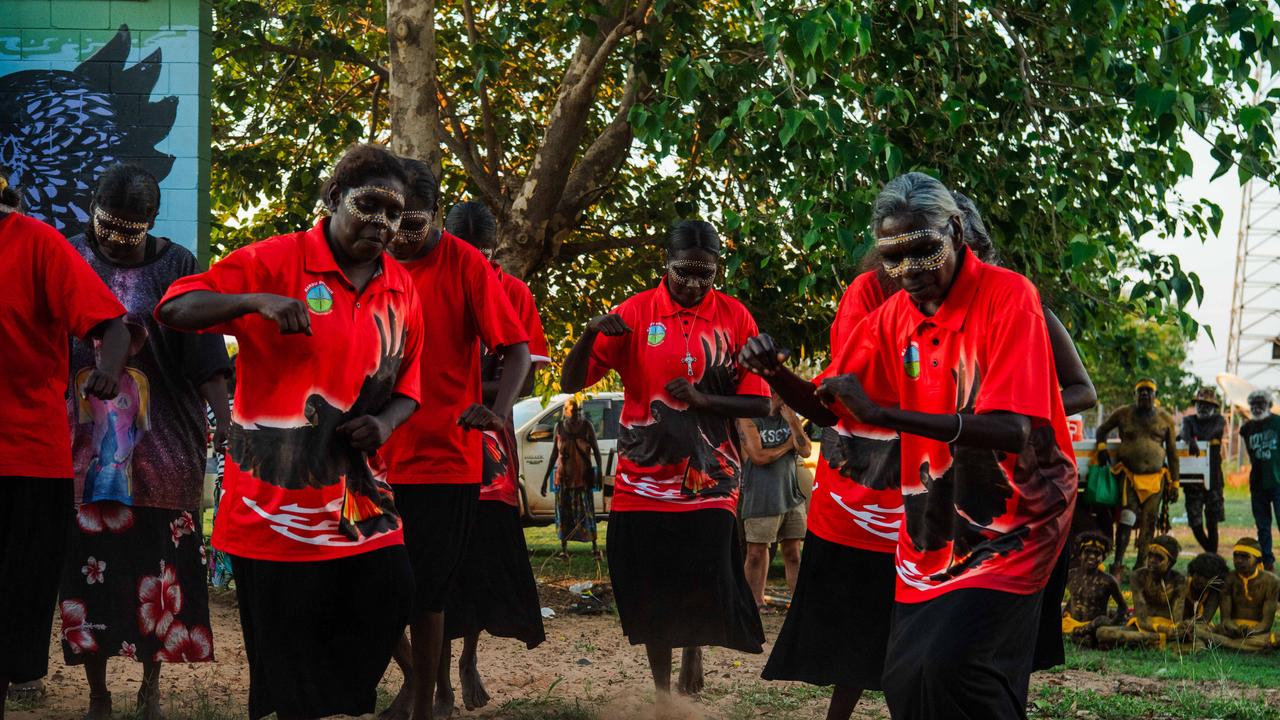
(413, 92)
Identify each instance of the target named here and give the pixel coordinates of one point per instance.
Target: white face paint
(111, 230)
(368, 204)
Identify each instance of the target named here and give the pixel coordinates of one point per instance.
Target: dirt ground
(585, 659)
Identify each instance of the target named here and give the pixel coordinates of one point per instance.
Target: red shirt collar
(318, 258)
(668, 307)
(955, 306)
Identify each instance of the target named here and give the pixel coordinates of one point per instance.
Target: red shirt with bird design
(463, 306)
(856, 503)
(672, 457)
(973, 517)
(294, 488)
(501, 459)
(50, 292)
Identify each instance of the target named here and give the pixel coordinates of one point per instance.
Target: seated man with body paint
(1248, 603)
(1159, 594)
(1090, 590)
(1206, 579)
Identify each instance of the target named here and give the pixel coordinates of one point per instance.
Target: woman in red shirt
(50, 292)
(673, 545)
(496, 591)
(330, 336)
(961, 365)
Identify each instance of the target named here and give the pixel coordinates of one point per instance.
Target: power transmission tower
(1253, 347)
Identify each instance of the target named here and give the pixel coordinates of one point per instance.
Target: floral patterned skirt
(134, 586)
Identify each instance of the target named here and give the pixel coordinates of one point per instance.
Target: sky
(1214, 261)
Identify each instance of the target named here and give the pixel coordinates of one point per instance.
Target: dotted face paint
(111, 230)
(929, 263)
(361, 205)
(415, 225)
(693, 273)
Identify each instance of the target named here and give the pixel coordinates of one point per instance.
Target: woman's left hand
(479, 417)
(684, 391)
(848, 390)
(367, 432)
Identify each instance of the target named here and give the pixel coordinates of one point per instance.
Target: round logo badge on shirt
(911, 361)
(319, 298)
(657, 333)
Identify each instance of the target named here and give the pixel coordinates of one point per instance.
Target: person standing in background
(772, 504)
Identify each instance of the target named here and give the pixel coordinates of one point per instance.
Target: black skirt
(319, 635)
(35, 524)
(678, 580)
(964, 654)
(837, 628)
(438, 521)
(1049, 650)
(496, 592)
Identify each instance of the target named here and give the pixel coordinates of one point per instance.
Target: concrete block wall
(85, 83)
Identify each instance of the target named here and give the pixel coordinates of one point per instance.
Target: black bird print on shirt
(315, 455)
(702, 440)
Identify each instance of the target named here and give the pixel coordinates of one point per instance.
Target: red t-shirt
(293, 489)
(844, 510)
(670, 457)
(974, 518)
(501, 460)
(463, 304)
(49, 292)
(862, 296)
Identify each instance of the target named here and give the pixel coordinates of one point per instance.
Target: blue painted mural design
(66, 127)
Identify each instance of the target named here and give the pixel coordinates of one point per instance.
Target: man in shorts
(772, 504)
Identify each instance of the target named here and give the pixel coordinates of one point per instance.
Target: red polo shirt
(290, 480)
(50, 292)
(500, 453)
(463, 305)
(842, 509)
(975, 518)
(670, 457)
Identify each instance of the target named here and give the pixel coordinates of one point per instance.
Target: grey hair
(975, 231)
(1260, 395)
(915, 194)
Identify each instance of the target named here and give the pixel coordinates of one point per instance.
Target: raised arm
(1078, 393)
(573, 375)
(763, 357)
(202, 309)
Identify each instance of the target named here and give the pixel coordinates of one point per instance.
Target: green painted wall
(88, 82)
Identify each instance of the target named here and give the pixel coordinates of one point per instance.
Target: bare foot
(473, 692)
(28, 692)
(149, 703)
(690, 682)
(442, 709)
(402, 706)
(99, 707)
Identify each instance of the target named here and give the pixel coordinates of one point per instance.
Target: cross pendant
(688, 360)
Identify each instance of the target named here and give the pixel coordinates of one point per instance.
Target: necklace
(688, 358)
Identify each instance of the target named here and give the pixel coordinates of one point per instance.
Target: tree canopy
(1064, 121)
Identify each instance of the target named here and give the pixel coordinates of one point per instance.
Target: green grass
(1173, 703)
(544, 545)
(1205, 666)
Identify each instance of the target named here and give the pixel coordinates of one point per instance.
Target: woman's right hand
(289, 314)
(608, 325)
(762, 356)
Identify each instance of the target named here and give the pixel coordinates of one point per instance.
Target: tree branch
(492, 150)
(462, 147)
(314, 54)
(573, 250)
(603, 156)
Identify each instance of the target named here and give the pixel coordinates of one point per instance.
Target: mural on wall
(66, 127)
